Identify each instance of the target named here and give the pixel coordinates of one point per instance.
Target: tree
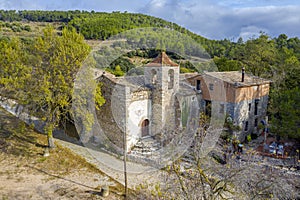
(259, 55)
(220, 175)
(284, 95)
(225, 64)
(286, 117)
(51, 85)
(118, 71)
(14, 71)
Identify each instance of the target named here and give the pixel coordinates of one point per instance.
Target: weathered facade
(140, 106)
(243, 98)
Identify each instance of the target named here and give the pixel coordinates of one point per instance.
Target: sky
(213, 19)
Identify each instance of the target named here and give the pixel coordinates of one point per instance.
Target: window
(211, 86)
(154, 76)
(256, 122)
(256, 106)
(198, 85)
(170, 79)
(246, 125)
(249, 108)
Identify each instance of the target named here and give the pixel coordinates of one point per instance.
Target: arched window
(154, 76)
(171, 79)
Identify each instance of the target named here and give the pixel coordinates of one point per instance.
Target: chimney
(243, 74)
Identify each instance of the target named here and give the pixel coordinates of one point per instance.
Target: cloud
(214, 19)
(218, 21)
(97, 5)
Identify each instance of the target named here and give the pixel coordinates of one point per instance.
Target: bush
(249, 139)
(27, 28)
(16, 29)
(184, 70)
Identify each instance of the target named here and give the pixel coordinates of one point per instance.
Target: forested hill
(95, 25)
(100, 25)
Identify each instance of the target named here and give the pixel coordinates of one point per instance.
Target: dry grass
(36, 29)
(21, 152)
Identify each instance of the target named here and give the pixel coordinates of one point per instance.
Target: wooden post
(125, 156)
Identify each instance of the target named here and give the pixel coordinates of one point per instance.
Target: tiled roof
(162, 60)
(235, 77)
(135, 80)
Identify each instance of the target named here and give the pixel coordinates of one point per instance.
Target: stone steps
(146, 146)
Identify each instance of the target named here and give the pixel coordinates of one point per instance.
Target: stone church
(162, 100)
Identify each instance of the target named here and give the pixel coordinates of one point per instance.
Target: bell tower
(162, 76)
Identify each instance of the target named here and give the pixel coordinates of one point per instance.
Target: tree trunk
(51, 142)
(49, 131)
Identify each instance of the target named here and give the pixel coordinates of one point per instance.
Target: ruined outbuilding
(242, 97)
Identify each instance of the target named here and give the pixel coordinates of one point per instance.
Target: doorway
(145, 127)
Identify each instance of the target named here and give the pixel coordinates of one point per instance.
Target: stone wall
(113, 114)
(139, 110)
(244, 114)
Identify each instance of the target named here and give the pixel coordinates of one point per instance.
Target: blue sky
(214, 19)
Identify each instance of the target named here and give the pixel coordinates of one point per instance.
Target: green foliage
(259, 55)
(100, 25)
(185, 70)
(187, 67)
(118, 71)
(15, 26)
(225, 64)
(123, 64)
(99, 99)
(249, 139)
(286, 117)
(13, 70)
(57, 60)
(43, 80)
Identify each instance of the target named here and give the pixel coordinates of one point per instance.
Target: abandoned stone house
(161, 99)
(243, 98)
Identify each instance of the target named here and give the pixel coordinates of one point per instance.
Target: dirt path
(108, 164)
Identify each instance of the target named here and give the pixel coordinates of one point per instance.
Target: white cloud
(213, 19)
(97, 5)
(250, 32)
(218, 21)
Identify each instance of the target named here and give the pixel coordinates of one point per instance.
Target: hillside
(94, 25)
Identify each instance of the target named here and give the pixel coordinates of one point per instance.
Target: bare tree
(195, 176)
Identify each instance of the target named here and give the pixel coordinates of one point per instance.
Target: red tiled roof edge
(162, 60)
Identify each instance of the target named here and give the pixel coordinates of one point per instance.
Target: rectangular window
(256, 107)
(246, 125)
(198, 85)
(256, 122)
(211, 86)
(249, 108)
